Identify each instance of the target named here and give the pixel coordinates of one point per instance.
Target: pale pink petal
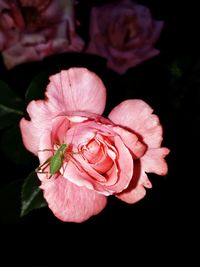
(125, 162)
(75, 173)
(133, 196)
(30, 135)
(71, 203)
(41, 117)
(79, 172)
(82, 133)
(131, 141)
(77, 89)
(45, 151)
(137, 116)
(136, 190)
(153, 161)
(60, 126)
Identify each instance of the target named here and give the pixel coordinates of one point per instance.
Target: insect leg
(43, 164)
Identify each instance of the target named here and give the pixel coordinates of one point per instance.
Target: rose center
(93, 151)
(122, 31)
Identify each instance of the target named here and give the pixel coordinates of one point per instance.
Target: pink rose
(124, 33)
(11, 21)
(103, 156)
(35, 29)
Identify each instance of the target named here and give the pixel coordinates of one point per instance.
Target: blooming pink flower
(103, 157)
(35, 29)
(124, 33)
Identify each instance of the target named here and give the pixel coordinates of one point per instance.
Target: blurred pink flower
(33, 29)
(124, 33)
(104, 156)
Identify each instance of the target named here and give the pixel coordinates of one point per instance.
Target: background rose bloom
(42, 28)
(124, 33)
(11, 23)
(103, 157)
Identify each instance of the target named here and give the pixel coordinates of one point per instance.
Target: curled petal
(41, 116)
(137, 116)
(132, 142)
(133, 196)
(136, 191)
(153, 161)
(125, 167)
(71, 203)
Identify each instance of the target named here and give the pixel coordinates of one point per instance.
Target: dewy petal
(77, 89)
(71, 203)
(137, 116)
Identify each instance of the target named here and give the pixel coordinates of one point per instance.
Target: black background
(170, 203)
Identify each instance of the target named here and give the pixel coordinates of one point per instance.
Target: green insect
(55, 161)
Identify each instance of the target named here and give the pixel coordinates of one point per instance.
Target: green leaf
(9, 98)
(10, 202)
(13, 148)
(10, 106)
(9, 116)
(37, 87)
(31, 196)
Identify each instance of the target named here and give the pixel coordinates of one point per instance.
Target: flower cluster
(123, 32)
(98, 156)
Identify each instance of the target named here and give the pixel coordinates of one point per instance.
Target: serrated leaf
(13, 148)
(31, 196)
(37, 87)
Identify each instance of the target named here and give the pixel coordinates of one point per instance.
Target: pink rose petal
(153, 161)
(70, 202)
(136, 190)
(137, 116)
(132, 142)
(41, 117)
(77, 89)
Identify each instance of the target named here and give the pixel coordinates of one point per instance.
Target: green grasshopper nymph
(55, 162)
